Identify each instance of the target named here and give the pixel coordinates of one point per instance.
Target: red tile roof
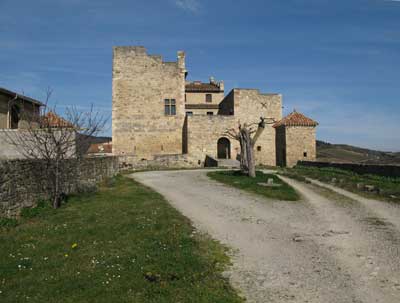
(296, 119)
(199, 87)
(51, 119)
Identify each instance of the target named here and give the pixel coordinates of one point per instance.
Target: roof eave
(25, 98)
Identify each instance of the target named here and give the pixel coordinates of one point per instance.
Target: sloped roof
(199, 87)
(51, 119)
(22, 97)
(296, 119)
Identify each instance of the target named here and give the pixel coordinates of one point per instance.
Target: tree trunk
(56, 192)
(247, 158)
(251, 161)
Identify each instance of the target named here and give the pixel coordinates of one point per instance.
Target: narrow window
(189, 113)
(210, 113)
(305, 154)
(173, 107)
(258, 148)
(167, 108)
(208, 98)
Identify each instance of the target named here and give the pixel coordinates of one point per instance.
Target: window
(169, 107)
(189, 113)
(305, 154)
(208, 98)
(258, 148)
(210, 113)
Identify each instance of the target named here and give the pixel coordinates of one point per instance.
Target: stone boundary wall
(158, 162)
(381, 170)
(22, 183)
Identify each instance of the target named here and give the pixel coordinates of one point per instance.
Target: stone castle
(157, 113)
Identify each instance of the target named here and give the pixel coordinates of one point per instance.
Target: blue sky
(336, 61)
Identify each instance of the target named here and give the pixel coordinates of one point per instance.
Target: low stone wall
(158, 162)
(22, 183)
(381, 170)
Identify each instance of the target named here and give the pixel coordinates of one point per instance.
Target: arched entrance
(224, 148)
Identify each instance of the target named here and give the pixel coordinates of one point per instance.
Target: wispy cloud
(188, 5)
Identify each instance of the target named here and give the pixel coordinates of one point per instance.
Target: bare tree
(53, 139)
(244, 134)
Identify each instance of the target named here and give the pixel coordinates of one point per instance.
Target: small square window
(169, 107)
(189, 113)
(305, 154)
(208, 97)
(210, 113)
(258, 148)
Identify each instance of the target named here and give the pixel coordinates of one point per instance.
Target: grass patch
(124, 243)
(386, 188)
(238, 180)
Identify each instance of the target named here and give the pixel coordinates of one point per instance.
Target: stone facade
(23, 184)
(144, 129)
(295, 139)
(300, 144)
(141, 84)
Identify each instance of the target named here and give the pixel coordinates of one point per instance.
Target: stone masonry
(22, 183)
(141, 83)
(158, 114)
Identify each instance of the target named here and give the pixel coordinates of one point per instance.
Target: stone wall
(280, 144)
(12, 148)
(250, 105)
(300, 144)
(200, 98)
(203, 134)
(381, 170)
(141, 82)
(227, 105)
(157, 162)
(4, 111)
(22, 183)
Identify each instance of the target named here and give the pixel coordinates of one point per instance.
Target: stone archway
(223, 148)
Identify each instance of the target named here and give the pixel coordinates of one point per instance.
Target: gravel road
(324, 248)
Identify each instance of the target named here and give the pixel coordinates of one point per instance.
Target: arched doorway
(224, 148)
(14, 116)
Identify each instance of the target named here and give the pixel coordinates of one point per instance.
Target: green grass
(236, 179)
(389, 188)
(132, 246)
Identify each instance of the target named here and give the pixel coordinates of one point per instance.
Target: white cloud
(188, 5)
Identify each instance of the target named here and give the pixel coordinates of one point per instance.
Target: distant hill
(327, 152)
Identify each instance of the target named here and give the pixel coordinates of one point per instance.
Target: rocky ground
(328, 247)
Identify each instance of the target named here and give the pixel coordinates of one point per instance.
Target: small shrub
(31, 212)
(86, 187)
(8, 222)
(110, 182)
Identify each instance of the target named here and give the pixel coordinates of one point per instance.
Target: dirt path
(315, 250)
(387, 211)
